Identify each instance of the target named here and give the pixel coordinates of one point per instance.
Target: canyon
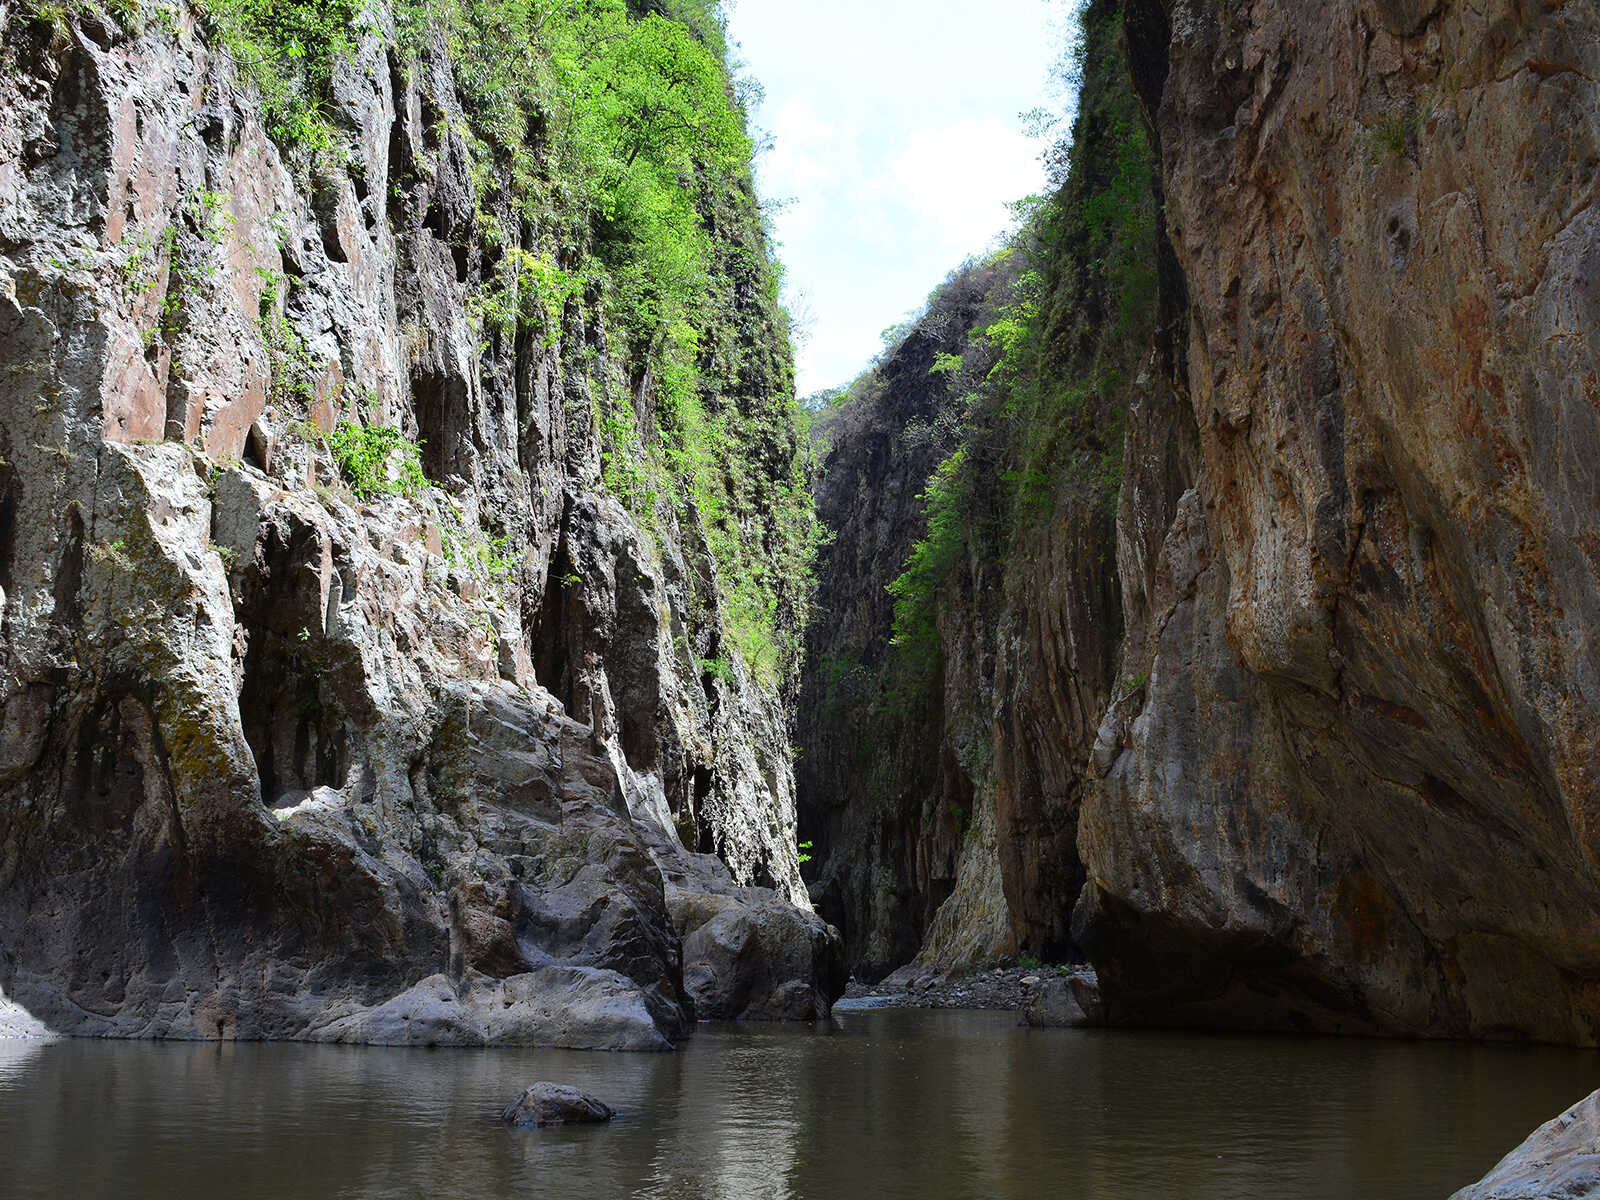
(427, 615)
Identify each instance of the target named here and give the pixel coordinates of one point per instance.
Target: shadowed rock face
(1346, 777)
(1357, 792)
(942, 784)
(886, 798)
(278, 763)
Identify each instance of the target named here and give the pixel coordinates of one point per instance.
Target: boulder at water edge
(1066, 1001)
(1560, 1159)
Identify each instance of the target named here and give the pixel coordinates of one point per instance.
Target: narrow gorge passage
(441, 607)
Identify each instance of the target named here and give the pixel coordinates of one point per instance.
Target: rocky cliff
(889, 755)
(1356, 794)
(368, 672)
(968, 619)
(1342, 775)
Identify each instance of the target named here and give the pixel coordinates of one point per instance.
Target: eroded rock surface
(277, 761)
(1322, 753)
(1559, 1161)
(1066, 1002)
(1357, 791)
(750, 956)
(889, 770)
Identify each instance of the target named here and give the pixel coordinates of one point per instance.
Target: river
(890, 1103)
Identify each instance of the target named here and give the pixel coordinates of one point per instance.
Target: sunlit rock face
(1557, 1159)
(279, 762)
(1358, 789)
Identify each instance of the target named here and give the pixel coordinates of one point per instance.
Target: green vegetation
(607, 145)
(1051, 360)
(934, 558)
(288, 48)
(492, 561)
(1391, 137)
(377, 460)
(1023, 366)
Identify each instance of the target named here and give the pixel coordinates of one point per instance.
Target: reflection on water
(922, 1104)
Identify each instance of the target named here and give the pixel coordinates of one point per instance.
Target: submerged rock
(555, 1104)
(1559, 1161)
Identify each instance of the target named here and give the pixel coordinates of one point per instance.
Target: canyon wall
(968, 622)
(1357, 793)
(888, 760)
(441, 744)
(1342, 775)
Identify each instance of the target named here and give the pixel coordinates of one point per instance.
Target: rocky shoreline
(916, 985)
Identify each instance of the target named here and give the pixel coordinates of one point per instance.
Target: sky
(897, 142)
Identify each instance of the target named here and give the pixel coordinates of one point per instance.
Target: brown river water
(932, 1105)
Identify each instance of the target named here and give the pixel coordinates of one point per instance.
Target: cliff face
(1358, 794)
(310, 735)
(888, 762)
(947, 726)
(1342, 776)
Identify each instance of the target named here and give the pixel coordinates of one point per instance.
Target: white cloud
(897, 144)
(960, 178)
(799, 161)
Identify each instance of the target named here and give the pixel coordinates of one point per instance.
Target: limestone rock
(555, 1104)
(1324, 753)
(17, 1022)
(748, 956)
(1559, 1161)
(1358, 790)
(889, 803)
(1066, 1001)
(278, 760)
(580, 1008)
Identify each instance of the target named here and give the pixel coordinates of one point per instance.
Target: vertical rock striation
(280, 758)
(942, 777)
(887, 766)
(1356, 795)
(1321, 753)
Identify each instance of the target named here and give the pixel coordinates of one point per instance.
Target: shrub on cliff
(1048, 369)
(608, 144)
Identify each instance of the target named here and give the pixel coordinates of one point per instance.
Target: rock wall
(887, 766)
(1358, 792)
(1342, 775)
(279, 760)
(942, 782)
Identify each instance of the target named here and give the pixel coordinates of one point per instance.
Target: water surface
(935, 1105)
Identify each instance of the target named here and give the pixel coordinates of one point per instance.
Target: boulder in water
(555, 1104)
(1066, 1001)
